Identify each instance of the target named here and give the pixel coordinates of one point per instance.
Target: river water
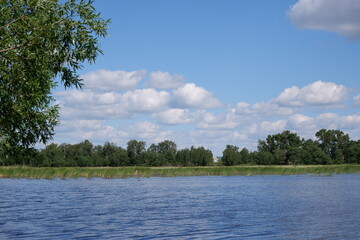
(239, 207)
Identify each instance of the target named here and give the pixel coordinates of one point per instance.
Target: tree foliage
(85, 154)
(281, 146)
(278, 149)
(40, 42)
(333, 143)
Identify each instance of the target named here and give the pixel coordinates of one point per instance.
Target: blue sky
(211, 73)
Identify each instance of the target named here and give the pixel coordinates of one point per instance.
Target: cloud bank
(339, 16)
(190, 115)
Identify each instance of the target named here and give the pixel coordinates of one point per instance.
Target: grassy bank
(126, 172)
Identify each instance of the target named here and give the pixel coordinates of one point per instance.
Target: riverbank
(126, 172)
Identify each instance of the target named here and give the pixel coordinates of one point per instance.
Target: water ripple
(269, 207)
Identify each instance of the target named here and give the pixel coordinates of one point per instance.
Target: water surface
(239, 207)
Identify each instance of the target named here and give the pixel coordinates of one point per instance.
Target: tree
(200, 156)
(41, 43)
(264, 158)
(353, 152)
(244, 156)
(183, 157)
(52, 156)
(230, 155)
(136, 150)
(154, 158)
(333, 143)
(114, 155)
(279, 145)
(313, 154)
(168, 150)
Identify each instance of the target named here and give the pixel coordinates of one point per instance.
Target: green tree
(279, 145)
(200, 156)
(230, 155)
(313, 154)
(167, 146)
(244, 156)
(353, 152)
(114, 155)
(263, 158)
(154, 158)
(183, 157)
(333, 143)
(41, 43)
(52, 156)
(168, 150)
(136, 150)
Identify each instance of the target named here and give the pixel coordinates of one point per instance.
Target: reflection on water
(258, 207)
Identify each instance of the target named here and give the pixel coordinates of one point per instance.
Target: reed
(126, 172)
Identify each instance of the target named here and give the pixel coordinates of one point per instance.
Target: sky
(217, 72)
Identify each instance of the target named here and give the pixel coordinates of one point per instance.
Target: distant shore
(128, 172)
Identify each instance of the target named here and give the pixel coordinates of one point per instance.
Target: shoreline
(24, 172)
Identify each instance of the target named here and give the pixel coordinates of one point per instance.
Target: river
(239, 207)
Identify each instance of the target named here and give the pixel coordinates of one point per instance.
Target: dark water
(268, 207)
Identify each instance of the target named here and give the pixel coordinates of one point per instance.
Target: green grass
(126, 172)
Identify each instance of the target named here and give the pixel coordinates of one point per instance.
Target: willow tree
(43, 43)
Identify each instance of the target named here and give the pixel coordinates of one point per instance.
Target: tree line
(329, 147)
(85, 154)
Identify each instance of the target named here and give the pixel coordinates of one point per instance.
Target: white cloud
(316, 94)
(84, 114)
(191, 96)
(83, 98)
(175, 116)
(112, 80)
(93, 130)
(226, 120)
(145, 127)
(339, 16)
(149, 132)
(87, 104)
(328, 121)
(301, 122)
(243, 108)
(350, 122)
(164, 80)
(356, 100)
(263, 109)
(272, 127)
(145, 100)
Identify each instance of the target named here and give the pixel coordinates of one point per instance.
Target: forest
(286, 148)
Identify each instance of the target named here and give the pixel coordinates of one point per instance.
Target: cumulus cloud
(94, 113)
(351, 122)
(268, 109)
(356, 100)
(271, 127)
(94, 130)
(83, 98)
(145, 127)
(191, 96)
(226, 120)
(86, 104)
(112, 80)
(163, 80)
(301, 122)
(77, 104)
(145, 100)
(328, 121)
(149, 131)
(175, 116)
(341, 17)
(316, 94)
